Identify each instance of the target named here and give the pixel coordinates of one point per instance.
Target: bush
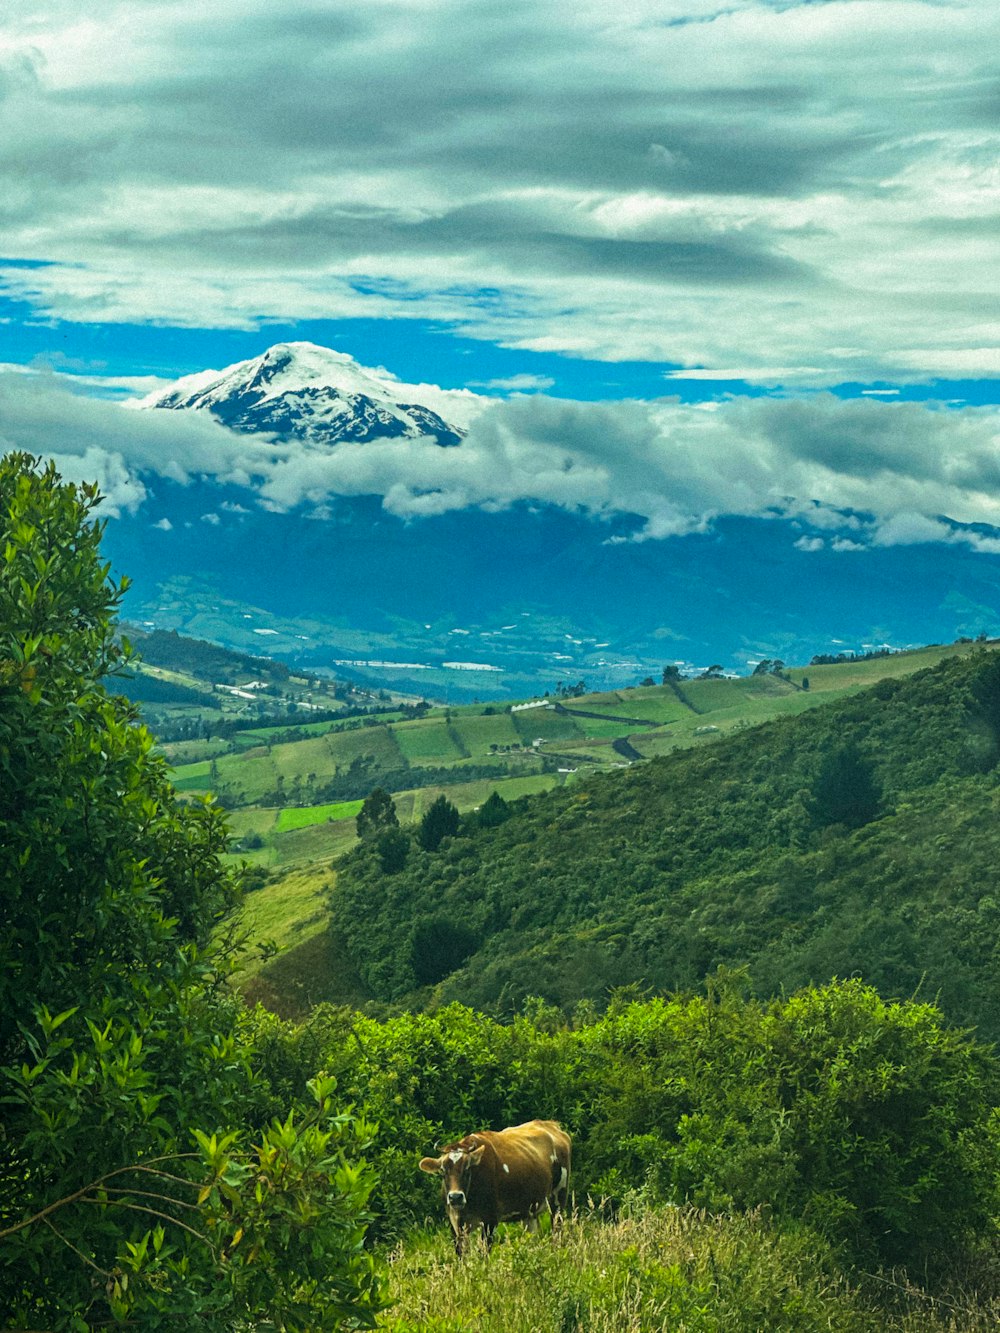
(144, 1176)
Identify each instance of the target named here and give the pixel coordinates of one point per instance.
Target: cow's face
(455, 1167)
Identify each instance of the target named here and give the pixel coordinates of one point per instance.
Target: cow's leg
(559, 1198)
(489, 1231)
(536, 1210)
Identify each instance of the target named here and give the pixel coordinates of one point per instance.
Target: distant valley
(301, 545)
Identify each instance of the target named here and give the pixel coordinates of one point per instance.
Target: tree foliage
(441, 820)
(845, 790)
(377, 814)
(870, 1122)
(143, 1176)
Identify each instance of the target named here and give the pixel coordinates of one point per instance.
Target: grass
(427, 742)
(669, 1269)
(548, 724)
(479, 733)
(287, 911)
(294, 817)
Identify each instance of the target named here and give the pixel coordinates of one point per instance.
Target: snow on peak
(290, 368)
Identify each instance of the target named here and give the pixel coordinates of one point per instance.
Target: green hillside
(306, 763)
(860, 838)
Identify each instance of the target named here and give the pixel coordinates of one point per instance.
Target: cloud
(801, 191)
(92, 439)
(856, 473)
(517, 383)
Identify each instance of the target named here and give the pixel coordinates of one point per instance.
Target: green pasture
(479, 732)
(652, 705)
(610, 728)
(378, 742)
(178, 753)
(548, 724)
(427, 741)
(192, 777)
(287, 911)
(293, 817)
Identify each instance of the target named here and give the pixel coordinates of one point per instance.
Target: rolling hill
(858, 838)
(712, 852)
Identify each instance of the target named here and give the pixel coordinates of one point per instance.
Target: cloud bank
(806, 192)
(851, 473)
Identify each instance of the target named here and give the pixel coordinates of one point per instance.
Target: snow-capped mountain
(298, 390)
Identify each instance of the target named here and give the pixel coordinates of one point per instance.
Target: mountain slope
(758, 850)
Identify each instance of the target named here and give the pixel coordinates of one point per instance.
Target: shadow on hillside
(317, 971)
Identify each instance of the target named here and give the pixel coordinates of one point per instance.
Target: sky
(724, 255)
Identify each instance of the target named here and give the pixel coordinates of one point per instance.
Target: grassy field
(294, 817)
(671, 1269)
(276, 837)
(427, 741)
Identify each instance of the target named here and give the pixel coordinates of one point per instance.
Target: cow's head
(455, 1167)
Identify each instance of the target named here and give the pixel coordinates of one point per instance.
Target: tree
(671, 673)
(440, 821)
(393, 847)
(138, 1179)
(377, 813)
(493, 811)
(845, 790)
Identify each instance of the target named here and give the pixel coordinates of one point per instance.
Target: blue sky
(674, 199)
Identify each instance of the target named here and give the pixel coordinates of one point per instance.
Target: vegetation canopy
(147, 1176)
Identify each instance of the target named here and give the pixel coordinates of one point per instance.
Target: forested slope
(860, 838)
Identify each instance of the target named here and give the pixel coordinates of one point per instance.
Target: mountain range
(305, 545)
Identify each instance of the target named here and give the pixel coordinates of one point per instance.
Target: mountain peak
(302, 390)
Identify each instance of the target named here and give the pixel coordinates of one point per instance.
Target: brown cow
(490, 1177)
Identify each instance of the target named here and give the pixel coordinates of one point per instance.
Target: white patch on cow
(553, 1158)
(563, 1178)
(457, 1156)
(506, 1168)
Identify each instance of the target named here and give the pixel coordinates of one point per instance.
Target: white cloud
(775, 191)
(858, 472)
(517, 383)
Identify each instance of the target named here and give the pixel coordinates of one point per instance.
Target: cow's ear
(476, 1157)
(432, 1165)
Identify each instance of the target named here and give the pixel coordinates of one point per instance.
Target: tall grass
(674, 1269)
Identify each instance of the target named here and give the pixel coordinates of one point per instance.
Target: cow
(495, 1176)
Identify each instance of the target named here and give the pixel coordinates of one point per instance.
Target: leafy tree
(139, 1181)
(670, 673)
(493, 811)
(393, 847)
(845, 790)
(377, 813)
(440, 821)
(439, 946)
(984, 708)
